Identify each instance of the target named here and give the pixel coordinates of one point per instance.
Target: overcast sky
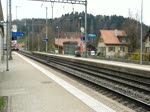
(30, 9)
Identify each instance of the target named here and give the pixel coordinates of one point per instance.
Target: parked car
(92, 53)
(77, 53)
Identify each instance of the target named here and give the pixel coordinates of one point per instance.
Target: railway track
(129, 89)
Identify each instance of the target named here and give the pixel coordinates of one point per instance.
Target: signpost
(14, 28)
(14, 38)
(82, 38)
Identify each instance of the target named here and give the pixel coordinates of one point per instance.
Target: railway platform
(121, 66)
(32, 88)
(116, 64)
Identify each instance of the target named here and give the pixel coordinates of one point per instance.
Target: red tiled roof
(60, 41)
(109, 36)
(68, 37)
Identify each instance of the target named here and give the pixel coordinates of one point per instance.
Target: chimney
(116, 32)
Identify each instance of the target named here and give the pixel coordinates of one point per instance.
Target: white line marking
(88, 100)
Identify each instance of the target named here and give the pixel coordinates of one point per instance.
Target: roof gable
(112, 36)
(68, 37)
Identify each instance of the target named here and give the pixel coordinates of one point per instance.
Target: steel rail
(60, 65)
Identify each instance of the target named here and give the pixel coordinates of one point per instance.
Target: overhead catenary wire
(80, 2)
(52, 6)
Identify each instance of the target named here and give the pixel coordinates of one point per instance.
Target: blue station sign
(91, 35)
(17, 34)
(45, 40)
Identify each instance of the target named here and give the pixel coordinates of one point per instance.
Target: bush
(100, 54)
(136, 56)
(2, 103)
(146, 57)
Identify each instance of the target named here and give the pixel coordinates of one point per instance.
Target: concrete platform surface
(31, 90)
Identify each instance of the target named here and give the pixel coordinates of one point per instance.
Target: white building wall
(147, 43)
(1, 51)
(2, 47)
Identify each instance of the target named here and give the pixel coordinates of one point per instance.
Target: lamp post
(16, 11)
(80, 18)
(46, 29)
(25, 24)
(85, 28)
(52, 6)
(141, 33)
(10, 32)
(32, 36)
(58, 37)
(28, 42)
(7, 39)
(38, 43)
(46, 33)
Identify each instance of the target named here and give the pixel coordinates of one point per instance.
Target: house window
(148, 49)
(100, 40)
(102, 49)
(121, 49)
(122, 39)
(111, 49)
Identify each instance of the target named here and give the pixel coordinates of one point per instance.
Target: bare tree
(131, 26)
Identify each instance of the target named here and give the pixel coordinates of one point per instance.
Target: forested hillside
(72, 23)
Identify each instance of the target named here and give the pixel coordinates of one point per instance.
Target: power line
(81, 2)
